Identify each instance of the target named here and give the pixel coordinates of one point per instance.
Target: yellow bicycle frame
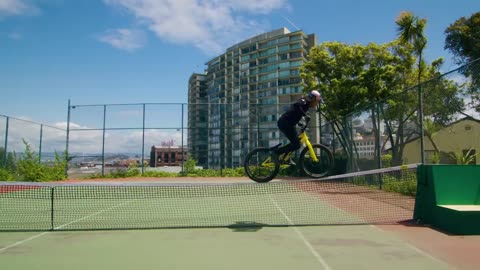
(304, 139)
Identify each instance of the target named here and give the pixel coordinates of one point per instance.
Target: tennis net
(372, 197)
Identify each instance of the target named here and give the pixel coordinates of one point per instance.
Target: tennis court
(339, 223)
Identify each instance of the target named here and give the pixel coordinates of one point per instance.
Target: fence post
(183, 158)
(5, 155)
(378, 147)
(67, 140)
(143, 140)
(378, 139)
(103, 139)
(40, 145)
(420, 116)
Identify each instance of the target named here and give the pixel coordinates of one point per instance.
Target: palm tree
(410, 31)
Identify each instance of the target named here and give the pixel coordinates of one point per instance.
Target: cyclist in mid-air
(287, 122)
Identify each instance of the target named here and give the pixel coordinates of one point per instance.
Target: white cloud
(124, 39)
(210, 25)
(16, 7)
(83, 140)
(53, 139)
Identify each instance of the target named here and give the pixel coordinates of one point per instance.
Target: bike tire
(254, 168)
(317, 169)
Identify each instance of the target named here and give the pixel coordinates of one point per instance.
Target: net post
(52, 228)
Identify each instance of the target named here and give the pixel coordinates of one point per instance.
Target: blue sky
(139, 51)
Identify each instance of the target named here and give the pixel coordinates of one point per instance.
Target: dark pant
(289, 130)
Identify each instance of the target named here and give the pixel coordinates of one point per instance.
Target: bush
(117, 173)
(231, 172)
(407, 187)
(159, 174)
(5, 175)
(29, 168)
(387, 160)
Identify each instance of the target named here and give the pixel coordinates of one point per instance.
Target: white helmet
(315, 94)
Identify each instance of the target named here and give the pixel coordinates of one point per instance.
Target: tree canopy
(379, 79)
(462, 39)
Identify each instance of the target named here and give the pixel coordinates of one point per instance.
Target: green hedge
(29, 168)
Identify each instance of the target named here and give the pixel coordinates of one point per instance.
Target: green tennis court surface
(316, 247)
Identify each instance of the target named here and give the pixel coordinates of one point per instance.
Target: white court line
(300, 234)
(23, 241)
(59, 227)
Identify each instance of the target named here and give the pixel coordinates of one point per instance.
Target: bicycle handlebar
(304, 126)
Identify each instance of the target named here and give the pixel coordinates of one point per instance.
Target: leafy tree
(168, 143)
(351, 78)
(463, 41)
(440, 104)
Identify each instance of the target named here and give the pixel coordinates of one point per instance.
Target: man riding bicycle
(287, 122)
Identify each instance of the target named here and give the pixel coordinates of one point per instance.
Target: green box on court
(448, 198)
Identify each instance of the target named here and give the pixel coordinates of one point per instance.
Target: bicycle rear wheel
(317, 169)
(261, 165)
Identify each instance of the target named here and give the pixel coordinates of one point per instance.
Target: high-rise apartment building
(247, 89)
(198, 119)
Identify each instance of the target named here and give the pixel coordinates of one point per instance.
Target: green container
(448, 198)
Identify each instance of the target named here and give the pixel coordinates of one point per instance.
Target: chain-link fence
(161, 136)
(387, 133)
(16, 134)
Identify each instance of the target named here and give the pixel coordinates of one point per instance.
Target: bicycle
(263, 164)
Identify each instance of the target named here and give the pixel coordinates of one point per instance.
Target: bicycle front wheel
(261, 165)
(320, 168)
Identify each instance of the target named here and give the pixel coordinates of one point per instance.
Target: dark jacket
(295, 112)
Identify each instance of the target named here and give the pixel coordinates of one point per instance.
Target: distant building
(198, 119)
(246, 88)
(365, 145)
(461, 137)
(167, 156)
